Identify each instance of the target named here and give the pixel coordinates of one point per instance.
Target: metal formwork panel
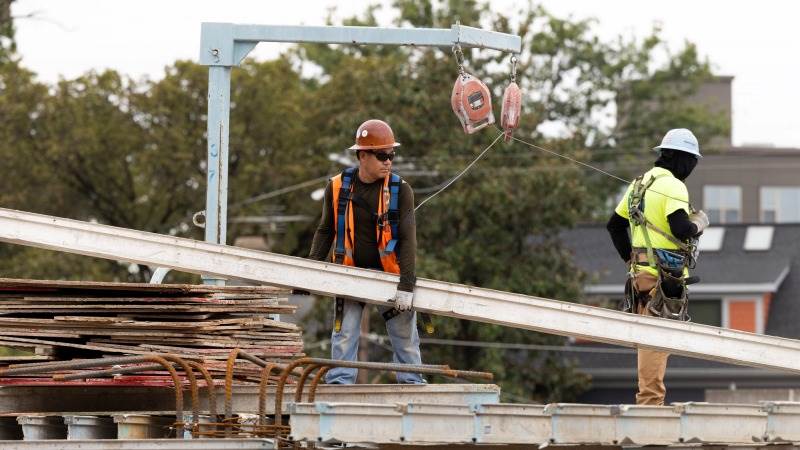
(90, 427)
(511, 424)
(783, 421)
(578, 424)
(432, 423)
(345, 422)
(35, 428)
(9, 429)
(721, 422)
(647, 425)
(142, 426)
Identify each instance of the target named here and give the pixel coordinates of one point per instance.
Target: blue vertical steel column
(219, 102)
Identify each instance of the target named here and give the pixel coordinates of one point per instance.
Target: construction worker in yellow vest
(368, 221)
(661, 248)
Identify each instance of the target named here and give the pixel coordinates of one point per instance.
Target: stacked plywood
(55, 318)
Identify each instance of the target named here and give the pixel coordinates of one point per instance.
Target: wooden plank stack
(65, 319)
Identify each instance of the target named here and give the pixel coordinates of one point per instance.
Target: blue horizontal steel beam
(226, 44)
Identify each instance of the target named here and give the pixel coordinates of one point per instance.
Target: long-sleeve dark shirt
(617, 226)
(365, 253)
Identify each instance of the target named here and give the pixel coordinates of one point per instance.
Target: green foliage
(132, 153)
(8, 45)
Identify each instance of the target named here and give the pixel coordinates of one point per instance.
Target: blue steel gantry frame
(225, 45)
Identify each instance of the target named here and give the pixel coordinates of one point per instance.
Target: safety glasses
(384, 156)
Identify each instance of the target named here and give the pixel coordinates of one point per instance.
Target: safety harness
(669, 264)
(342, 253)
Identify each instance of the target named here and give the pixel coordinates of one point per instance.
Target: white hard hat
(682, 140)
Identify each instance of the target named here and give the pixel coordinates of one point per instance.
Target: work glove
(403, 300)
(700, 219)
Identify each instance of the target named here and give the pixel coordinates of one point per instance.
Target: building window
(707, 312)
(780, 204)
(711, 240)
(723, 204)
(758, 238)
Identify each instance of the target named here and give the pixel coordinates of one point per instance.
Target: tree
(132, 153)
(7, 44)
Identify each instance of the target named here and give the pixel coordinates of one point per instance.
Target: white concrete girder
(721, 422)
(783, 421)
(647, 425)
(507, 423)
(436, 423)
(574, 423)
(345, 422)
(447, 299)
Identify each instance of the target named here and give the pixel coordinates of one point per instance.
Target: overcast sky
(757, 42)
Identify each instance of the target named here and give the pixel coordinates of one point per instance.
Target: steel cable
(455, 178)
(597, 169)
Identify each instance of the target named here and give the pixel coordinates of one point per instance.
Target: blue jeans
(402, 330)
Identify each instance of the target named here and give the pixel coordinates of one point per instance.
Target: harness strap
(393, 215)
(669, 237)
(345, 192)
(636, 214)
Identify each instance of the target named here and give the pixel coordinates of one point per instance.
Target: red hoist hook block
(471, 99)
(512, 104)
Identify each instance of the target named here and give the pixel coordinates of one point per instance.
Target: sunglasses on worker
(384, 156)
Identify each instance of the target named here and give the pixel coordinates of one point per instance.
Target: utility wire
(381, 340)
(279, 192)
(503, 345)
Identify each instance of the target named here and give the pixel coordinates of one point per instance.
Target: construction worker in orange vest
(368, 221)
(661, 247)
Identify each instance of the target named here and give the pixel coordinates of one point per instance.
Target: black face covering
(681, 164)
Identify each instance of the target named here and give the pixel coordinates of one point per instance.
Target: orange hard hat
(374, 134)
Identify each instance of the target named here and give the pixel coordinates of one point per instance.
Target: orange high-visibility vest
(344, 224)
